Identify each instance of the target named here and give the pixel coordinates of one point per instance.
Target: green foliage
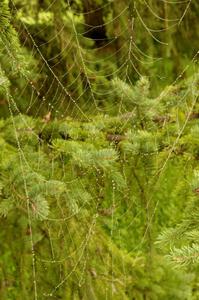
(99, 164)
(72, 171)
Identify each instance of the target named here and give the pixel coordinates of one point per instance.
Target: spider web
(72, 101)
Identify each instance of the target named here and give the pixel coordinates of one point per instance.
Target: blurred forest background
(99, 149)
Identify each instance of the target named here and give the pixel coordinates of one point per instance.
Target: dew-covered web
(79, 94)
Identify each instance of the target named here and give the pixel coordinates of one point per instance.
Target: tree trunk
(93, 16)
